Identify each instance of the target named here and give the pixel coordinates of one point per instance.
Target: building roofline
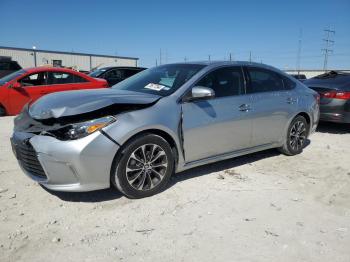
(66, 53)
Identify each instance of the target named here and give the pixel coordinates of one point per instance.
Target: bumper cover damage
(69, 165)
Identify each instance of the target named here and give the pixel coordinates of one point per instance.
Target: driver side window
(37, 79)
(115, 74)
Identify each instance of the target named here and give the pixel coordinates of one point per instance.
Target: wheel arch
(165, 135)
(3, 107)
(306, 116)
(303, 114)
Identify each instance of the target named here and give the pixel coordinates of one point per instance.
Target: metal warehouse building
(79, 61)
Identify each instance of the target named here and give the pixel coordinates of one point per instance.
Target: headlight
(80, 130)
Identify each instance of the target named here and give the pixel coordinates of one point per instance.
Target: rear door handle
(291, 100)
(244, 107)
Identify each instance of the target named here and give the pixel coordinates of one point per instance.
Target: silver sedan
(163, 120)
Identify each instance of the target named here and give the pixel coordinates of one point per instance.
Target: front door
(220, 125)
(33, 87)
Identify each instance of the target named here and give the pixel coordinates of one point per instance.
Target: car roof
(224, 63)
(49, 68)
(120, 67)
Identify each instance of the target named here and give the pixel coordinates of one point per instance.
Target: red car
(27, 85)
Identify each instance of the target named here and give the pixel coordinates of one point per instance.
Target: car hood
(72, 103)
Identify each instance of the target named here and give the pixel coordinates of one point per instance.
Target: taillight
(336, 95)
(317, 97)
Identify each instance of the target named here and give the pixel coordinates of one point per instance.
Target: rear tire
(2, 111)
(144, 166)
(296, 137)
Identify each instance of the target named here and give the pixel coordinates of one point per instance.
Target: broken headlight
(83, 129)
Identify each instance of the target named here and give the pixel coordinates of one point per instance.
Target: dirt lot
(262, 207)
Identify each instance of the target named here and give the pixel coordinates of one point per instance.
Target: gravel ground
(261, 207)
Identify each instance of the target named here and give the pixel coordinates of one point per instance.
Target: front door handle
(244, 107)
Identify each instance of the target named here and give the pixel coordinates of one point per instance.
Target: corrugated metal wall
(80, 62)
(24, 58)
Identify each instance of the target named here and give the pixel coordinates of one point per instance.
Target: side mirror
(201, 92)
(16, 85)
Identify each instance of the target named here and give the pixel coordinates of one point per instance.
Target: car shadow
(113, 194)
(222, 165)
(88, 197)
(333, 128)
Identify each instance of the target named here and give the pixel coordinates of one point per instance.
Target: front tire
(296, 137)
(144, 166)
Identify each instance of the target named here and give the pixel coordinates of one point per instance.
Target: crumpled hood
(65, 104)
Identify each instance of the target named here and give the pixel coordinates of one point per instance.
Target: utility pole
(230, 57)
(185, 59)
(250, 56)
(209, 58)
(299, 51)
(156, 62)
(328, 43)
(160, 56)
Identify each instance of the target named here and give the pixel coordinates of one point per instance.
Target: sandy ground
(261, 207)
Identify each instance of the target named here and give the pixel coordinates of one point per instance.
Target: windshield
(97, 72)
(162, 80)
(10, 77)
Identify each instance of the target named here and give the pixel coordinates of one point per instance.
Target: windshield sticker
(155, 87)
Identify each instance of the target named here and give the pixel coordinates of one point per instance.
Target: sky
(268, 31)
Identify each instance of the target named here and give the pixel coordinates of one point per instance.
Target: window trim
(182, 99)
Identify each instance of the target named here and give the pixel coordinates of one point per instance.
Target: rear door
(272, 105)
(220, 125)
(33, 87)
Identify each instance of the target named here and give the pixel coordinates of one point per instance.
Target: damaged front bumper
(76, 165)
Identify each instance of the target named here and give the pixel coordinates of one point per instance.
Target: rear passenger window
(58, 78)
(227, 81)
(262, 80)
(79, 79)
(288, 83)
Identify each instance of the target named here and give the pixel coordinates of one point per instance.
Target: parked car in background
(163, 120)
(300, 77)
(8, 66)
(27, 85)
(114, 75)
(334, 90)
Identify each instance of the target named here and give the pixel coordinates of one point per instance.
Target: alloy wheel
(297, 135)
(146, 167)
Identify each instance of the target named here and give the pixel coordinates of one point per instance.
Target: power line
(327, 50)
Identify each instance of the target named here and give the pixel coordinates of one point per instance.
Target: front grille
(29, 159)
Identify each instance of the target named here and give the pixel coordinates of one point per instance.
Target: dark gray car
(334, 90)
